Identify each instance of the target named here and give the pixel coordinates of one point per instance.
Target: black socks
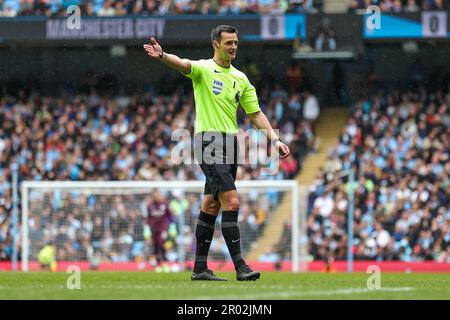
(204, 234)
(230, 231)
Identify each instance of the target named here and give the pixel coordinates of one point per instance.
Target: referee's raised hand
(153, 49)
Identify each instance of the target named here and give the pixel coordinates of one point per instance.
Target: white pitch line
(268, 295)
(188, 285)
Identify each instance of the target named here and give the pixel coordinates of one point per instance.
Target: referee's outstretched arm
(154, 50)
(260, 121)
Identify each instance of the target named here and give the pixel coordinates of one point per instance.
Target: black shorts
(217, 154)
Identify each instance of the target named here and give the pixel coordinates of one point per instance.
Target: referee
(219, 89)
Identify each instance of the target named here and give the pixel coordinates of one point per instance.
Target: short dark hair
(216, 33)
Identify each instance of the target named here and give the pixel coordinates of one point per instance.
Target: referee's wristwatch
(274, 141)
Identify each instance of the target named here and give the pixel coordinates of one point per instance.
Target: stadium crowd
(94, 137)
(55, 8)
(397, 6)
(12, 8)
(397, 145)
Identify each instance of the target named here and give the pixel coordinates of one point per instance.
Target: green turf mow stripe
(178, 286)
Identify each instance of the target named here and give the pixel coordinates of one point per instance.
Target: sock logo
(235, 240)
(208, 241)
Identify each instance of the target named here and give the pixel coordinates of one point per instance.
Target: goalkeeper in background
(219, 89)
(159, 217)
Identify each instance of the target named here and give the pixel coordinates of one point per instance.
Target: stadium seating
(398, 147)
(92, 137)
(397, 6)
(12, 8)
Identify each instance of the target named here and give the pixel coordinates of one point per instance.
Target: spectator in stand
(206, 8)
(325, 40)
(302, 6)
(9, 8)
(411, 6)
(181, 6)
(228, 7)
(397, 7)
(119, 9)
(107, 9)
(387, 5)
(250, 6)
(311, 108)
(289, 167)
(433, 4)
(165, 8)
(279, 7)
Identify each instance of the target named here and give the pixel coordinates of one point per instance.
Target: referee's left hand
(153, 49)
(282, 149)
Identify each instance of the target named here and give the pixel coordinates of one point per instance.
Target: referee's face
(228, 46)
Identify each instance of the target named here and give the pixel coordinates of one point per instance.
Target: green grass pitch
(178, 286)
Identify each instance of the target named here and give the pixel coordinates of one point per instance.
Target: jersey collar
(220, 68)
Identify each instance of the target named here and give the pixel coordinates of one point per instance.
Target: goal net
(150, 225)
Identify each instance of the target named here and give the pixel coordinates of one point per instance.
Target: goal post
(67, 213)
